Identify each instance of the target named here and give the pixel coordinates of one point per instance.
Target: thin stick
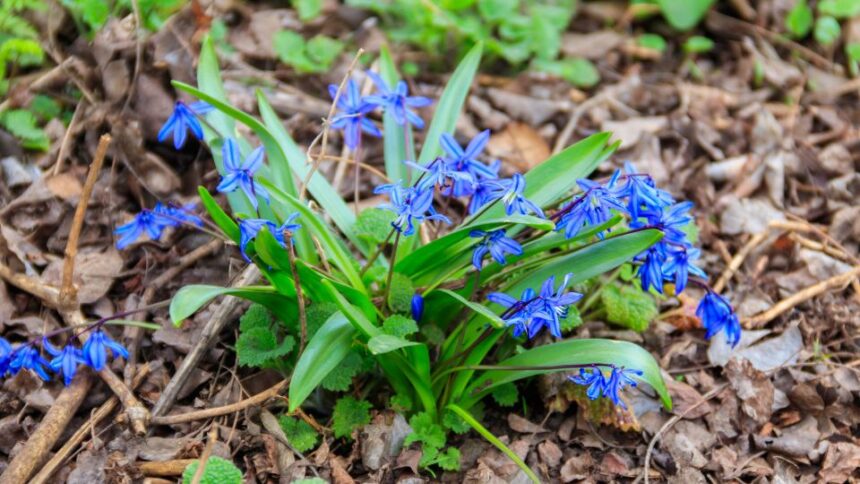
(48, 432)
(253, 401)
(204, 458)
(303, 320)
(376, 251)
(167, 468)
(67, 137)
(802, 296)
(68, 292)
(327, 126)
(372, 169)
(83, 431)
(739, 259)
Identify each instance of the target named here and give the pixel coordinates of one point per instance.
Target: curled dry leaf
(753, 388)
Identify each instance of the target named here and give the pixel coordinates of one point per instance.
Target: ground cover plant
(443, 312)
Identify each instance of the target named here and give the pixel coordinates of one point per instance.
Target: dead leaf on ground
(753, 388)
(630, 131)
(519, 144)
(95, 273)
(841, 462)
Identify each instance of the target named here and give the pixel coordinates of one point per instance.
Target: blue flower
(146, 221)
(240, 174)
(26, 357)
(352, 118)
(438, 173)
(717, 315)
(398, 101)
(651, 271)
(417, 307)
(679, 265)
(592, 208)
(511, 193)
(411, 205)
(483, 192)
(534, 311)
(496, 244)
(670, 220)
(639, 190)
(600, 386)
(96, 347)
(6, 352)
(466, 162)
(288, 226)
(65, 360)
(174, 216)
(248, 230)
(184, 118)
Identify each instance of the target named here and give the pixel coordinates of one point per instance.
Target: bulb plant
(461, 283)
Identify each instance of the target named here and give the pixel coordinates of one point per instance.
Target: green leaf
(799, 20)
(449, 460)
(827, 30)
(426, 431)
(317, 314)
(325, 351)
(219, 216)
(386, 343)
(506, 395)
(652, 41)
(349, 414)
(190, 298)
(839, 8)
(308, 9)
(323, 51)
(399, 325)
(256, 316)
(256, 347)
(395, 138)
(628, 306)
(570, 352)
(23, 125)
(479, 309)
(374, 224)
(400, 293)
(497, 10)
(340, 378)
(698, 44)
(577, 71)
(684, 14)
(450, 104)
(299, 433)
(217, 471)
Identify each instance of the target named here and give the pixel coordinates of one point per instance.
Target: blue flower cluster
(154, 221)
(672, 260)
(250, 227)
(412, 205)
(239, 174)
(496, 244)
(535, 311)
(599, 385)
(65, 361)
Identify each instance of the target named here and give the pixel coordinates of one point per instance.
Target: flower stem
(391, 268)
(303, 320)
(376, 251)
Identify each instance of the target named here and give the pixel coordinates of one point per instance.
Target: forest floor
(761, 134)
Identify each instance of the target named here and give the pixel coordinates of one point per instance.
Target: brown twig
(167, 468)
(66, 450)
(213, 327)
(67, 137)
(253, 401)
(68, 292)
(40, 442)
(204, 458)
(326, 127)
(802, 296)
(739, 259)
(579, 111)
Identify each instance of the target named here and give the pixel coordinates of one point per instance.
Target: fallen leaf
(95, 273)
(684, 397)
(64, 186)
(522, 425)
(841, 462)
(753, 388)
(796, 441)
(520, 145)
(630, 131)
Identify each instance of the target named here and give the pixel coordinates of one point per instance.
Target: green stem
(136, 324)
(592, 298)
(376, 251)
(391, 268)
(494, 440)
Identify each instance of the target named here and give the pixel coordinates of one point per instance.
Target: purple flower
(398, 101)
(26, 357)
(173, 215)
(592, 208)
(96, 347)
(511, 193)
(411, 205)
(600, 386)
(65, 361)
(717, 315)
(483, 192)
(352, 118)
(670, 220)
(145, 221)
(438, 173)
(250, 227)
(240, 174)
(639, 190)
(6, 352)
(496, 244)
(183, 119)
(466, 162)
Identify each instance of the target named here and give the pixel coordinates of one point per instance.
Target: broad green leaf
(322, 191)
(481, 310)
(577, 71)
(299, 433)
(349, 414)
(358, 319)
(325, 350)
(218, 469)
(698, 44)
(570, 352)
(450, 105)
(308, 9)
(312, 222)
(827, 30)
(192, 297)
(799, 20)
(552, 180)
(258, 346)
(399, 325)
(386, 343)
(217, 214)
(652, 41)
(684, 14)
(839, 8)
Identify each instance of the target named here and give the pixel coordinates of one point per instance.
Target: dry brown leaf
(753, 388)
(520, 145)
(841, 462)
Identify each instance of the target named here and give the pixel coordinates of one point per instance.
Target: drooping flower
(173, 215)
(65, 360)
(26, 357)
(248, 230)
(670, 220)
(601, 386)
(96, 347)
(651, 271)
(496, 244)
(6, 351)
(352, 118)
(287, 226)
(145, 221)
(511, 193)
(397, 101)
(411, 205)
(417, 307)
(518, 312)
(240, 174)
(717, 315)
(466, 162)
(483, 192)
(679, 265)
(534, 311)
(592, 208)
(183, 119)
(639, 190)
